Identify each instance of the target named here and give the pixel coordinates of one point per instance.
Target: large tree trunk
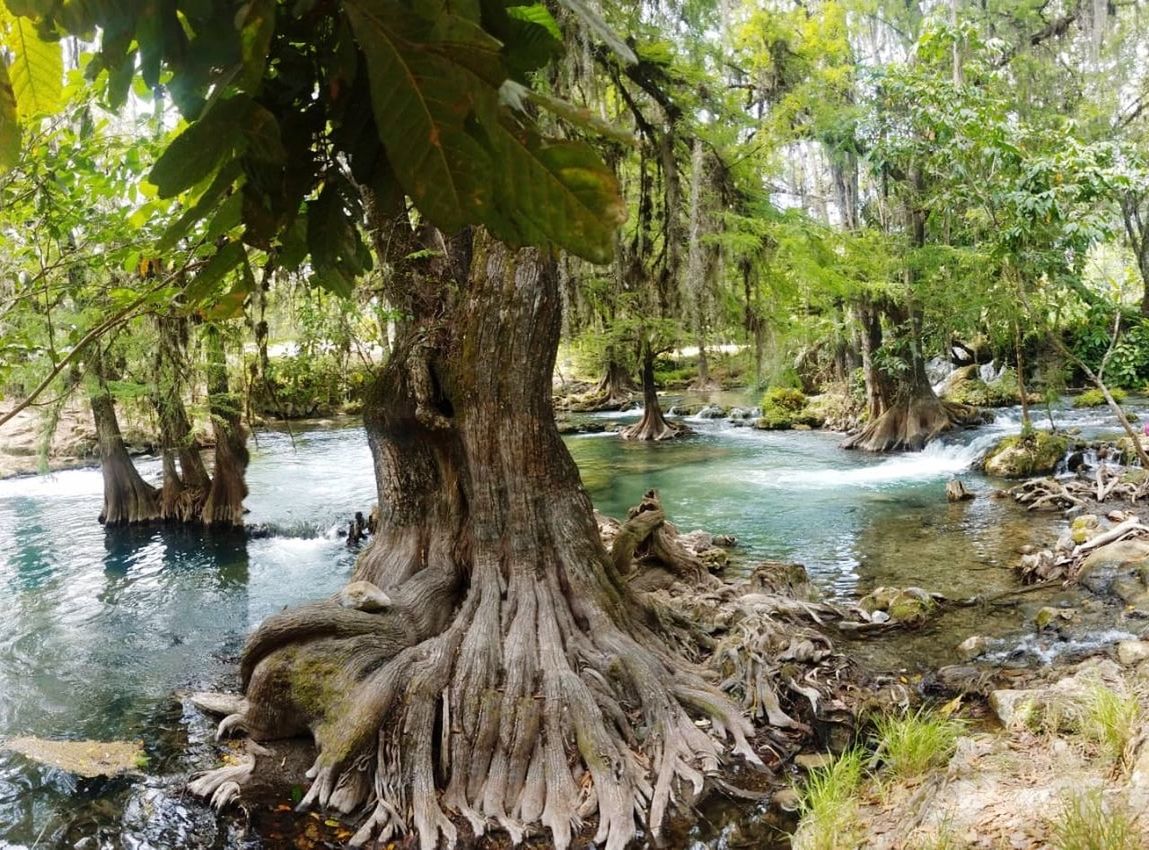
(128, 499)
(906, 414)
(186, 488)
(513, 677)
(653, 425)
(613, 390)
(224, 503)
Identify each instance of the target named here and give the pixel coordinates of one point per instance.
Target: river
(100, 630)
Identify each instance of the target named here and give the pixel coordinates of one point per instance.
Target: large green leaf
(204, 284)
(426, 103)
(556, 192)
(200, 149)
(9, 125)
(257, 25)
(37, 71)
(337, 253)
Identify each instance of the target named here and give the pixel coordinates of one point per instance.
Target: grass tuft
(1110, 720)
(828, 804)
(912, 743)
(1085, 823)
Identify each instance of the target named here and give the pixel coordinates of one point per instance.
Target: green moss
(784, 408)
(1020, 456)
(1095, 398)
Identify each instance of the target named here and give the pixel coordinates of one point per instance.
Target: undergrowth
(910, 744)
(828, 804)
(1086, 823)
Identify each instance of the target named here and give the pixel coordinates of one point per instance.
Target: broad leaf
(256, 28)
(202, 147)
(9, 125)
(557, 192)
(37, 71)
(203, 285)
(425, 103)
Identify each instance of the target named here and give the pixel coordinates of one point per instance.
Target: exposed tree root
(912, 422)
(527, 706)
(654, 426)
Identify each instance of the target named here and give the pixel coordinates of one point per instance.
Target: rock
(1064, 543)
(1132, 652)
(711, 411)
(1014, 708)
(1057, 706)
(738, 413)
(1084, 527)
(1117, 516)
(1016, 456)
(972, 647)
(813, 761)
(878, 599)
(83, 758)
(1124, 558)
(956, 491)
(787, 799)
(1027, 549)
(909, 608)
(1046, 617)
(879, 617)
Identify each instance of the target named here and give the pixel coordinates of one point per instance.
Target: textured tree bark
(128, 499)
(613, 390)
(223, 506)
(653, 425)
(515, 680)
(184, 489)
(906, 414)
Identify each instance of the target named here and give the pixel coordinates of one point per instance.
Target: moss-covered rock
(1084, 527)
(1021, 456)
(784, 408)
(1095, 398)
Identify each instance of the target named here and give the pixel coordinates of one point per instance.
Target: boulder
(909, 608)
(956, 491)
(972, 647)
(1058, 706)
(1123, 559)
(1132, 652)
(1037, 453)
(1084, 527)
(711, 411)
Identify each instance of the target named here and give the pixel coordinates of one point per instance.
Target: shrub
(784, 399)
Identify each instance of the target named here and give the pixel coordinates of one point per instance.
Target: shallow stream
(100, 630)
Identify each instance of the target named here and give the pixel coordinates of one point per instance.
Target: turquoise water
(98, 630)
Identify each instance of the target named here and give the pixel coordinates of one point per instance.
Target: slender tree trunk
(128, 499)
(493, 684)
(184, 489)
(224, 504)
(653, 425)
(703, 381)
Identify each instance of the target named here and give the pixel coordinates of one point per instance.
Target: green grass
(1111, 719)
(910, 744)
(1085, 823)
(828, 804)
